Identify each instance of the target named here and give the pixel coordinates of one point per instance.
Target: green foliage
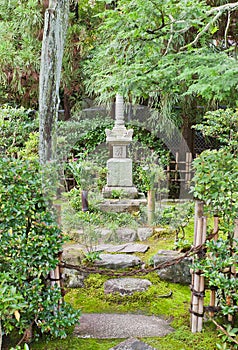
(11, 301)
(91, 257)
(31, 149)
(228, 339)
(214, 268)
(15, 126)
(85, 173)
(30, 242)
(21, 22)
(150, 175)
(177, 217)
(117, 194)
(215, 183)
(150, 50)
(222, 125)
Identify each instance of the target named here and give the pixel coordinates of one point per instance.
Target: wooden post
(233, 271)
(213, 291)
(197, 287)
(151, 206)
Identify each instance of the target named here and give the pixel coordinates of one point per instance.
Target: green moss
(152, 302)
(73, 343)
(175, 309)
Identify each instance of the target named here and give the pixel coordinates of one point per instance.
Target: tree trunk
(56, 19)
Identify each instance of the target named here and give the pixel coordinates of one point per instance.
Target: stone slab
(113, 326)
(122, 248)
(117, 261)
(126, 285)
(119, 172)
(132, 344)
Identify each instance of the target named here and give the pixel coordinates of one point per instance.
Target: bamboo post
(151, 206)
(213, 291)
(176, 166)
(197, 287)
(233, 270)
(201, 280)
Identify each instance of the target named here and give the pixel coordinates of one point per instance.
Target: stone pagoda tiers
(119, 167)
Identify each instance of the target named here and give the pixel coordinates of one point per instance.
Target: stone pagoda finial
(119, 107)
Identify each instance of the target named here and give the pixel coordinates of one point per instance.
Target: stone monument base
(126, 191)
(122, 205)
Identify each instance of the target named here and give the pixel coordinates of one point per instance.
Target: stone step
(126, 285)
(117, 261)
(108, 326)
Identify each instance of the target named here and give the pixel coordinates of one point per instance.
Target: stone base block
(126, 192)
(121, 206)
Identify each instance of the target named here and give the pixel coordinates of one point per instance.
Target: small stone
(125, 234)
(126, 286)
(73, 279)
(144, 233)
(117, 261)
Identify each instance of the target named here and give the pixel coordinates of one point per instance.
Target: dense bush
(16, 124)
(30, 243)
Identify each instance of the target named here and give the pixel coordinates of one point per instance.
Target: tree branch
(227, 27)
(204, 30)
(224, 331)
(227, 7)
(171, 35)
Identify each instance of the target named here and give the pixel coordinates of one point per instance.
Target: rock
(177, 273)
(73, 254)
(126, 234)
(144, 233)
(117, 261)
(132, 344)
(73, 279)
(126, 286)
(103, 234)
(160, 231)
(122, 248)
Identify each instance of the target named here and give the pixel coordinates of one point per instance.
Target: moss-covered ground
(175, 308)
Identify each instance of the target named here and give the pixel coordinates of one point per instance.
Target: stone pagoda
(119, 167)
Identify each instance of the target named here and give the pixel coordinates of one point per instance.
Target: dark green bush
(30, 242)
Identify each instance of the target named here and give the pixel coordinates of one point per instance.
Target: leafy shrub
(15, 126)
(30, 243)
